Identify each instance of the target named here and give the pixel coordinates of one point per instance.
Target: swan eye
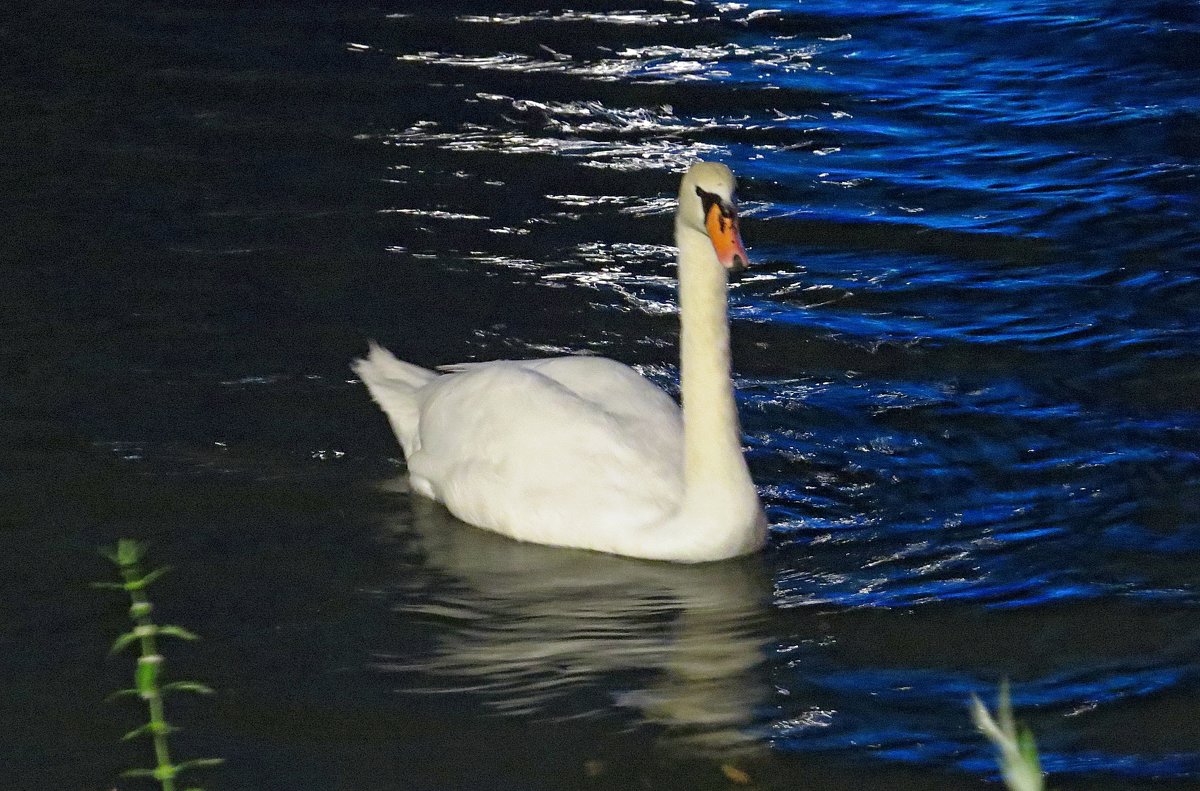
(710, 199)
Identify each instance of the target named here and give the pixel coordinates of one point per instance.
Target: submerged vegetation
(127, 555)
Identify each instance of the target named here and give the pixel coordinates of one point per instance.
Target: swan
(583, 451)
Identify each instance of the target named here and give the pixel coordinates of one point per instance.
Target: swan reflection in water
(560, 633)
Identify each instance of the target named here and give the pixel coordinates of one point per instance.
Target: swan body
(583, 451)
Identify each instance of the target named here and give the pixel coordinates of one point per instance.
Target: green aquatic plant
(1018, 756)
(127, 555)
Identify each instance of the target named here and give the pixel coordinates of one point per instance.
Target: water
(966, 362)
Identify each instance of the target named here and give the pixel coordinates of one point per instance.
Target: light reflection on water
(533, 630)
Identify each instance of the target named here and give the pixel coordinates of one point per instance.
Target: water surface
(966, 362)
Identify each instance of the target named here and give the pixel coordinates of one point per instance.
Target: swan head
(707, 205)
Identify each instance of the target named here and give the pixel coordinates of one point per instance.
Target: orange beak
(722, 225)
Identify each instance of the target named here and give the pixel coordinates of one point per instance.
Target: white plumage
(583, 451)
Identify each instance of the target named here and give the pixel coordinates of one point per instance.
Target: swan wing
(569, 451)
(609, 385)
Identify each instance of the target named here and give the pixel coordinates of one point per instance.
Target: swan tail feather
(393, 385)
(382, 364)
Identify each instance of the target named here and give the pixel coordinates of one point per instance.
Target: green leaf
(1029, 751)
(129, 552)
(178, 631)
(199, 763)
(187, 686)
(149, 728)
(1020, 765)
(123, 642)
(108, 586)
(1004, 712)
(138, 773)
(145, 580)
(141, 730)
(124, 693)
(984, 722)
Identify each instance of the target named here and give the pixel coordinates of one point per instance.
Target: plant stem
(127, 556)
(148, 665)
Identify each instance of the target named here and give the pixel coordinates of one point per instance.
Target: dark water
(967, 362)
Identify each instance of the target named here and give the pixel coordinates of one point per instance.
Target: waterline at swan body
(583, 451)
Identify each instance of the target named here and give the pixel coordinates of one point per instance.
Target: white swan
(582, 451)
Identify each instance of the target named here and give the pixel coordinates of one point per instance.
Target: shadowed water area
(967, 364)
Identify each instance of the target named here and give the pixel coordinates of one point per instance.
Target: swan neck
(713, 459)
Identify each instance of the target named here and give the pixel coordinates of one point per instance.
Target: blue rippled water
(966, 359)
